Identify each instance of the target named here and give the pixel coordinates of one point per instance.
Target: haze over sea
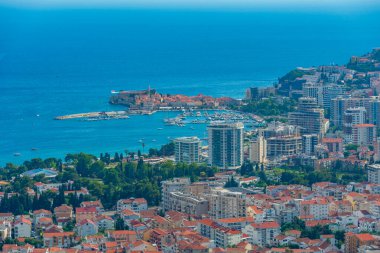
(67, 60)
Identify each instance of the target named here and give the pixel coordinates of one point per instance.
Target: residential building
(22, 227)
(41, 213)
(128, 216)
(309, 141)
(225, 203)
(374, 173)
(235, 223)
(340, 104)
(354, 241)
(308, 117)
(377, 149)
(187, 203)
(374, 111)
(134, 204)
(61, 240)
(256, 93)
(174, 185)
(105, 222)
(275, 129)
(334, 145)
(5, 230)
(122, 236)
(375, 209)
(225, 145)
(352, 117)
(364, 134)
(63, 214)
(317, 208)
(262, 234)
(87, 227)
(222, 236)
(6, 217)
(258, 150)
(284, 146)
(315, 91)
(331, 91)
(97, 204)
(337, 109)
(187, 149)
(82, 213)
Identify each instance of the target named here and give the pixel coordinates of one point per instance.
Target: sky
(353, 5)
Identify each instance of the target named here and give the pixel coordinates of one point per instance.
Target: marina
(207, 117)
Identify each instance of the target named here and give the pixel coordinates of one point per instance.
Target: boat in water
(17, 154)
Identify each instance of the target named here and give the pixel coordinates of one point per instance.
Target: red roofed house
(122, 235)
(128, 216)
(41, 213)
(256, 213)
(187, 247)
(136, 205)
(6, 217)
(223, 236)
(157, 236)
(97, 204)
(22, 227)
(235, 223)
(85, 213)
(318, 208)
(61, 240)
(262, 234)
(63, 214)
(43, 223)
(105, 222)
(87, 227)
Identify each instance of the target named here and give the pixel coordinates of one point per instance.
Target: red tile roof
(266, 225)
(365, 237)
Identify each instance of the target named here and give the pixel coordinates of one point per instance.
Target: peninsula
(150, 100)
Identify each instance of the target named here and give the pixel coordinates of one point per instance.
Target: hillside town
(305, 181)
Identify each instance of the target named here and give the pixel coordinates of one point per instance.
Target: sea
(67, 60)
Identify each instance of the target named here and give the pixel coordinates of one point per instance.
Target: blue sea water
(63, 61)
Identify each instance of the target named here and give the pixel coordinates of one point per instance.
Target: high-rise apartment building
(340, 104)
(309, 141)
(225, 145)
(337, 108)
(308, 117)
(258, 150)
(352, 116)
(374, 111)
(312, 90)
(187, 149)
(331, 91)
